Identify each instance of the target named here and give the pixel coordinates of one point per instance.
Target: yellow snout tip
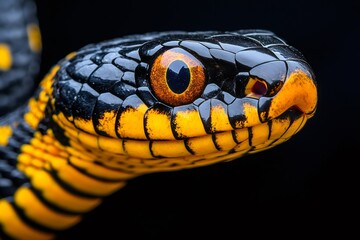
(299, 91)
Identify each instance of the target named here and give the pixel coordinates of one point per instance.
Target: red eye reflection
(255, 88)
(259, 88)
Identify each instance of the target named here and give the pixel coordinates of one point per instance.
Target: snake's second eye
(255, 88)
(177, 77)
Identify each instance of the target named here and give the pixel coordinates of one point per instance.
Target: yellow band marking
(219, 119)
(70, 55)
(140, 149)
(83, 183)
(107, 123)
(34, 152)
(294, 127)
(88, 140)
(189, 124)
(278, 127)
(37, 107)
(5, 134)
(169, 149)
(37, 211)
(34, 35)
(241, 134)
(111, 145)
(52, 192)
(13, 226)
(5, 57)
(78, 150)
(202, 145)
(252, 116)
(131, 123)
(99, 171)
(158, 125)
(85, 125)
(225, 140)
(243, 146)
(260, 134)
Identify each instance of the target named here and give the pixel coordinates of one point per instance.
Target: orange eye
(255, 88)
(177, 77)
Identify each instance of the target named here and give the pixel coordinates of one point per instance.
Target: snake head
(183, 98)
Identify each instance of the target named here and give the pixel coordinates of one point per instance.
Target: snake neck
(36, 170)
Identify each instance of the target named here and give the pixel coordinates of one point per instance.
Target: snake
(133, 105)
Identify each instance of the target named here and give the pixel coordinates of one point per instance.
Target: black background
(306, 184)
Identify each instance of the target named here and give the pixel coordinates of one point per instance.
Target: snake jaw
(298, 94)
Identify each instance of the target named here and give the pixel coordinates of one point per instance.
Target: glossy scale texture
(100, 118)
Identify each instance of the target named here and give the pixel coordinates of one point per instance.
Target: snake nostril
(259, 88)
(295, 108)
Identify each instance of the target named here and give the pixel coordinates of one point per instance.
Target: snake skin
(96, 121)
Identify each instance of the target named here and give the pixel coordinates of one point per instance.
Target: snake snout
(298, 94)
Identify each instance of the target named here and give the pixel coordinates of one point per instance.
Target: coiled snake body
(134, 105)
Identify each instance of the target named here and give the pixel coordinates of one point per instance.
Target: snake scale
(138, 104)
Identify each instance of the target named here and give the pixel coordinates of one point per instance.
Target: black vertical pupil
(178, 76)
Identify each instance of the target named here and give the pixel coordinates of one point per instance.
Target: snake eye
(255, 88)
(177, 77)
